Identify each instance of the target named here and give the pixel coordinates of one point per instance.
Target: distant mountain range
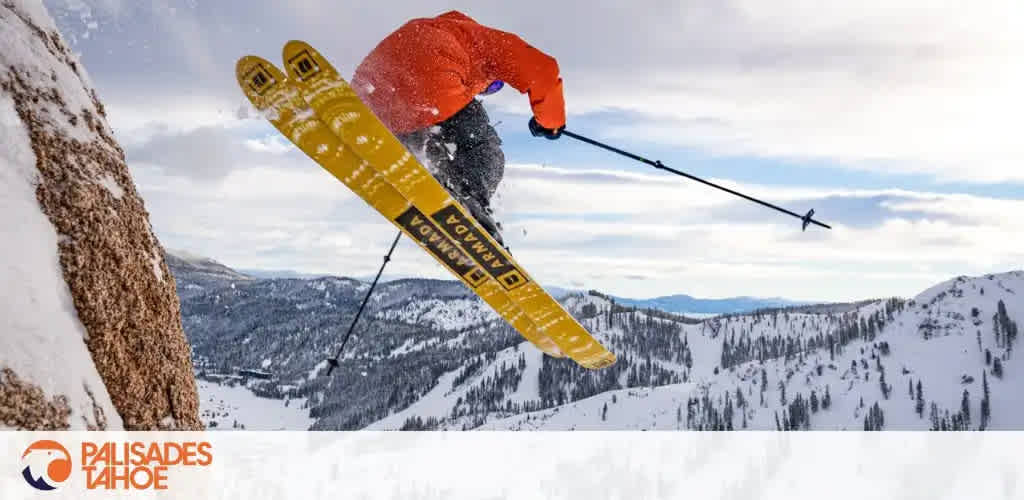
(686, 304)
(269, 274)
(201, 266)
(670, 303)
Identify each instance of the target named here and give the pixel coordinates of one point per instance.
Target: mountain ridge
(430, 355)
(683, 303)
(675, 303)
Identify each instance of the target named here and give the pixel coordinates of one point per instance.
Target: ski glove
(538, 130)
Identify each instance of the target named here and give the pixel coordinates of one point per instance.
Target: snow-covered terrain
(428, 355)
(940, 339)
(455, 314)
(224, 407)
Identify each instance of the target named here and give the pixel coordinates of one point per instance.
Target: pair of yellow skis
(315, 108)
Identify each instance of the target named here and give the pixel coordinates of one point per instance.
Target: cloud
(137, 114)
(273, 217)
(209, 152)
(923, 88)
(673, 236)
(642, 241)
(600, 194)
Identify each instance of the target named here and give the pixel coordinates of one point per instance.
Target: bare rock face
(122, 295)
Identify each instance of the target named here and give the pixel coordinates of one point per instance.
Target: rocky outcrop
(122, 292)
(26, 407)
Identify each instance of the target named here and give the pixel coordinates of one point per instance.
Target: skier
(422, 81)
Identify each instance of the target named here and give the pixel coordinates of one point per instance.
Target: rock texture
(26, 407)
(122, 290)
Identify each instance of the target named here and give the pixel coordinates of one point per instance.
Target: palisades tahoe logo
(47, 465)
(122, 466)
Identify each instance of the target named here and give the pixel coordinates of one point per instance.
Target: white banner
(497, 465)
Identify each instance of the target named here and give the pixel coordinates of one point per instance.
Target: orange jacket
(429, 69)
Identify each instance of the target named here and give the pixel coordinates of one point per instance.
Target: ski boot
(482, 213)
(484, 217)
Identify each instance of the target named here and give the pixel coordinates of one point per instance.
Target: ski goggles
(495, 86)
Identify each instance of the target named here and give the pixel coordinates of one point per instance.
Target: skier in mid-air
(422, 81)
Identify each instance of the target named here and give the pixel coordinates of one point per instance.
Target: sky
(898, 122)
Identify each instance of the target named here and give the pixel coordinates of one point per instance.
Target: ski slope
(221, 407)
(938, 338)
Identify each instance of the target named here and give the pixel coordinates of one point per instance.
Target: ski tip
(294, 46)
(304, 63)
(242, 67)
(300, 59)
(257, 76)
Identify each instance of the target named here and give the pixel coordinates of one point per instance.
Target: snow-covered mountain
(920, 364)
(686, 304)
(429, 355)
(273, 273)
(199, 265)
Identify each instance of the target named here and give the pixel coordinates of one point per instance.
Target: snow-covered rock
(90, 334)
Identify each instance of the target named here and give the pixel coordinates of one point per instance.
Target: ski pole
(333, 362)
(807, 218)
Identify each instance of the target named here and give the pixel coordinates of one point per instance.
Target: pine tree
(986, 404)
(827, 401)
(728, 413)
(604, 412)
(814, 402)
(884, 386)
(910, 384)
(995, 329)
(965, 409)
(997, 368)
(919, 403)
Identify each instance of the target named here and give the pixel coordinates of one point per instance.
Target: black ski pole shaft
(333, 362)
(806, 218)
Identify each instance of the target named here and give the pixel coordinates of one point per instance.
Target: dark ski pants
(465, 152)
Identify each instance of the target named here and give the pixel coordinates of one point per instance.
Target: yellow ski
(337, 105)
(281, 102)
